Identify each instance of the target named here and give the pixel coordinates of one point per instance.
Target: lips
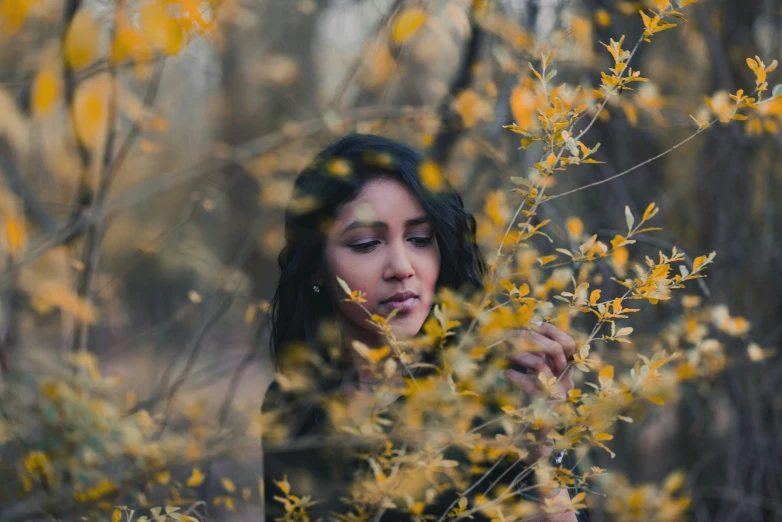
(404, 301)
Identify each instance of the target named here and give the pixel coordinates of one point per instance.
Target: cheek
(430, 271)
(359, 273)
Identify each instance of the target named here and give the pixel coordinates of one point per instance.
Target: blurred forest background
(143, 225)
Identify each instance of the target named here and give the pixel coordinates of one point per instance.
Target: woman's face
(383, 244)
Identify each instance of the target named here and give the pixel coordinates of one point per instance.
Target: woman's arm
(556, 348)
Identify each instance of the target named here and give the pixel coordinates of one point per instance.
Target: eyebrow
(380, 224)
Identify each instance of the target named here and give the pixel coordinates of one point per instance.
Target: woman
(360, 213)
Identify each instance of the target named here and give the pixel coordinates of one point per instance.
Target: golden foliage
(408, 23)
(81, 40)
(46, 90)
(544, 271)
(91, 111)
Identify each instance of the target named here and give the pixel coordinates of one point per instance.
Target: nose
(398, 265)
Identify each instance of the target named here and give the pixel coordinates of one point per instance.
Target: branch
(111, 165)
(636, 167)
(354, 68)
(450, 122)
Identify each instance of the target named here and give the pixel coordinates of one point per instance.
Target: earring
(316, 289)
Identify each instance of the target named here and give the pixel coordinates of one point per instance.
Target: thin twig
(635, 167)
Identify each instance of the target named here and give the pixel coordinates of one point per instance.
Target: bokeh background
(176, 247)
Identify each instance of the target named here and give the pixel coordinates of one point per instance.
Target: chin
(407, 329)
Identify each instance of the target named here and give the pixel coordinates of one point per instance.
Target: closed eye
(365, 247)
(421, 241)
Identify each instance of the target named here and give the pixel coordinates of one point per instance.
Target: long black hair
(335, 177)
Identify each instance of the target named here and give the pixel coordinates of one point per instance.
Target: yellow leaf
(698, 262)
(606, 373)
(761, 75)
(344, 285)
(594, 297)
(686, 371)
(525, 315)
(523, 105)
(372, 355)
(339, 167)
(472, 107)
(431, 175)
(647, 22)
(128, 42)
(49, 294)
(195, 479)
(752, 64)
(116, 516)
(228, 485)
(602, 18)
(650, 211)
(46, 90)
(575, 227)
(497, 209)
(408, 23)
(13, 13)
(674, 482)
(147, 147)
(161, 30)
(163, 477)
(654, 399)
(618, 241)
(621, 256)
(478, 352)
(284, 485)
(551, 159)
(90, 111)
(81, 40)
(15, 233)
(624, 331)
(249, 315)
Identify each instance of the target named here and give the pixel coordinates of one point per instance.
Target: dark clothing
(297, 444)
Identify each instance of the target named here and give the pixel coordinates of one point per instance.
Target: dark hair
(335, 177)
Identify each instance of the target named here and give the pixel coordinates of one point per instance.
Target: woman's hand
(549, 353)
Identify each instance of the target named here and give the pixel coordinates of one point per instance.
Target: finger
(536, 363)
(566, 381)
(568, 343)
(551, 348)
(522, 381)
